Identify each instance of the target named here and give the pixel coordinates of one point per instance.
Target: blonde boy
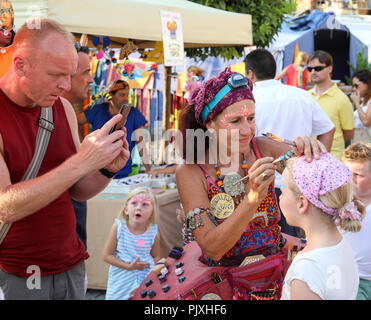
(358, 158)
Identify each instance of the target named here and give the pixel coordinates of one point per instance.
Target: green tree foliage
(361, 64)
(267, 17)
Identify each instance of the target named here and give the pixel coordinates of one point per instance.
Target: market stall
(344, 37)
(139, 21)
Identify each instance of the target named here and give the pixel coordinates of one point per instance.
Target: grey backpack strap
(46, 127)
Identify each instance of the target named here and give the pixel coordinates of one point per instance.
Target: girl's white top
(330, 272)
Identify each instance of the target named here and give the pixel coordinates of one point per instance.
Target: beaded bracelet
(191, 224)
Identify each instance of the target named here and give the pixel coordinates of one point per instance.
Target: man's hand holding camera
(100, 149)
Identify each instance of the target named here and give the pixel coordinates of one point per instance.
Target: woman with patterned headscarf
(229, 218)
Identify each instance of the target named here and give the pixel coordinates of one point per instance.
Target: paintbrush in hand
(273, 137)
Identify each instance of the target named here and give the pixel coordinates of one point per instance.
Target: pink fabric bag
(260, 280)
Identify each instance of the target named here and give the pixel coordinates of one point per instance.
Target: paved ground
(95, 295)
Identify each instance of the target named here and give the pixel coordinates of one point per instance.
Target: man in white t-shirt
(358, 158)
(284, 110)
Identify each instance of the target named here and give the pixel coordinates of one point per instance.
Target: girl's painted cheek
(147, 204)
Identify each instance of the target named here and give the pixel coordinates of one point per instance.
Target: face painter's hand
(309, 147)
(261, 175)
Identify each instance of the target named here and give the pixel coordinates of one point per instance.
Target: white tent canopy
(140, 19)
(360, 28)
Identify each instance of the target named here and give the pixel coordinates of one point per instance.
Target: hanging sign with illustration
(172, 35)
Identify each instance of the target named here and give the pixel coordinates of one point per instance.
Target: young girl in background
(133, 245)
(195, 76)
(317, 198)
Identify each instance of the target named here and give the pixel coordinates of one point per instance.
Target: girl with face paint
(133, 245)
(228, 218)
(318, 198)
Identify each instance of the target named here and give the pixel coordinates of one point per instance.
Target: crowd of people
(240, 195)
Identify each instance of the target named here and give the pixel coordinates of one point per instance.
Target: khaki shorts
(69, 285)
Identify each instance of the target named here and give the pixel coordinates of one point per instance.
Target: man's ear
(251, 75)
(21, 66)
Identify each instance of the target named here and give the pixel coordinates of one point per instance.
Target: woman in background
(361, 98)
(296, 73)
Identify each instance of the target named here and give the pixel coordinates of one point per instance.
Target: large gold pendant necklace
(230, 183)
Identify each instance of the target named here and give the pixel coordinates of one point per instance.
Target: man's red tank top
(48, 237)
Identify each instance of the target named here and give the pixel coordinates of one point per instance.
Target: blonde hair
(336, 199)
(135, 192)
(359, 152)
(197, 71)
(301, 58)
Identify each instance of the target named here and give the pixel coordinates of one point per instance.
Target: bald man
(41, 256)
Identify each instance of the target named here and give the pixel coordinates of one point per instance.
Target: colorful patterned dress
(263, 232)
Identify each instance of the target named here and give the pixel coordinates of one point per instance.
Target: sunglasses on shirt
(317, 68)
